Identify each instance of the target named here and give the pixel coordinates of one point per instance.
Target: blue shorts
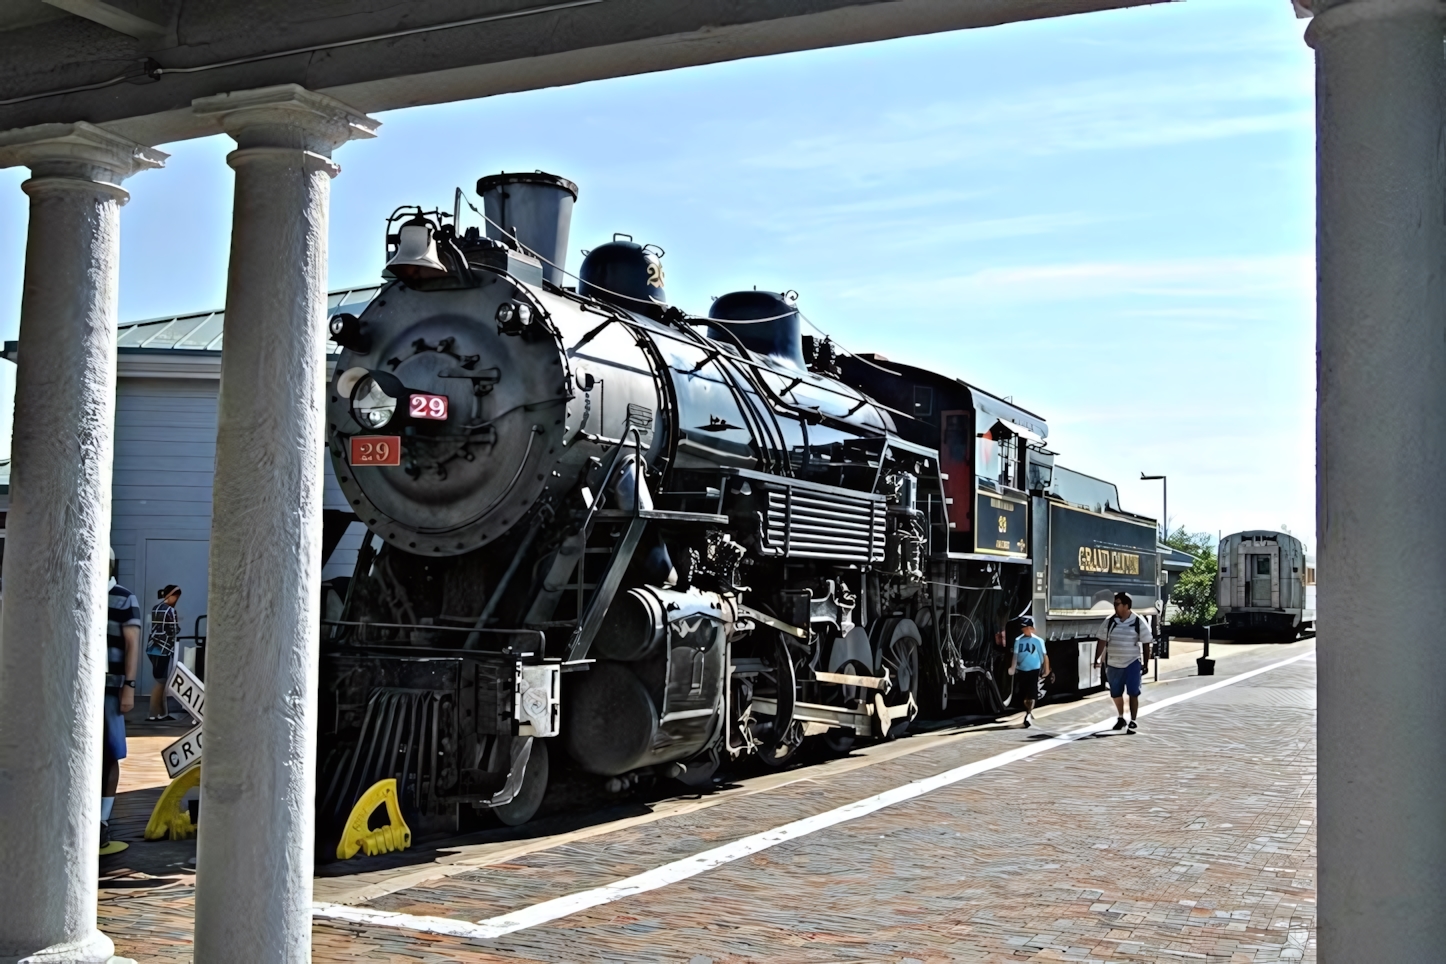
(115, 728)
(1124, 678)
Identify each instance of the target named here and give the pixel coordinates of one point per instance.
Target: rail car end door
(1259, 575)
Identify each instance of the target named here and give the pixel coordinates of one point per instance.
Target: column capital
(80, 151)
(1330, 15)
(287, 116)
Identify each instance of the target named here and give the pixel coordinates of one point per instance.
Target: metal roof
(202, 331)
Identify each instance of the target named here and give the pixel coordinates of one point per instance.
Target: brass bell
(416, 258)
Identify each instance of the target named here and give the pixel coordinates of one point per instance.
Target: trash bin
(1205, 666)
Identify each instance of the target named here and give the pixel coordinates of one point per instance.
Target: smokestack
(538, 207)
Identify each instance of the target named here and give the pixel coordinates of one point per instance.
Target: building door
(180, 562)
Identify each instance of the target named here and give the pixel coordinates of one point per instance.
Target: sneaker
(1026, 721)
(1134, 726)
(1120, 723)
(166, 717)
(107, 845)
(153, 719)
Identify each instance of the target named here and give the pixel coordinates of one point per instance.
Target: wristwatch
(130, 682)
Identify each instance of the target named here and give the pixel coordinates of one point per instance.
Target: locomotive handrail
(666, 515)
(541, 636)
(590, 619)
(474, 639)
(686, 333)
(602, 489)
(803, 410)
(455, 629)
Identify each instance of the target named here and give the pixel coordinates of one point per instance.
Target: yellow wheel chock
(169, 819)
(396, 835)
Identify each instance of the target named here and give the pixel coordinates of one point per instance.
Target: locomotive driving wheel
(783, 735)
(899, 654)
(933, 677)
(781, 749)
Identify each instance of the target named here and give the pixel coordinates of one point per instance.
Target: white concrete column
(254, 851)
(1381, 104)
(52, 635)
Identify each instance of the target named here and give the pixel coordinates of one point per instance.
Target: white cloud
(1208, 278)
(1127, 111)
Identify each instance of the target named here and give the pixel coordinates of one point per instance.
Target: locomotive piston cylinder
(654, 696)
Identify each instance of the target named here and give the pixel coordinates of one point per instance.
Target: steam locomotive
(605, 531)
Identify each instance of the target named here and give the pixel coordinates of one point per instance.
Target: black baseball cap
(1027, 621)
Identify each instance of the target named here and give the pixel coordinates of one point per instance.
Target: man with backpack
(1124, 642)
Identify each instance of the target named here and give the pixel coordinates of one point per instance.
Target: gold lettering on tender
(1001, 504)
(1001, 544)
(1004, 523)
(1106, 560)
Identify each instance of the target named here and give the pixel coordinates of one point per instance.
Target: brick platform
(1193, 840)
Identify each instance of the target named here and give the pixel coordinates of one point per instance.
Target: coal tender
(607, 534)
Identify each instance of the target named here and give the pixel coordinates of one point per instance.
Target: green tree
(1194, 591)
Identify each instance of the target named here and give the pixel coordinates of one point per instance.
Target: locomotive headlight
(513, 317)
(371, 405)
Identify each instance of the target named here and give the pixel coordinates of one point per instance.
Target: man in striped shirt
(123, 657)
(1124, 642)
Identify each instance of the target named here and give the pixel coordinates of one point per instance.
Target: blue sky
(1109, 218)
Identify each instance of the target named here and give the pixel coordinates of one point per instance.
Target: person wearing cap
(1124, 641)
(161, 648)
(123, 659)
(1029, 663)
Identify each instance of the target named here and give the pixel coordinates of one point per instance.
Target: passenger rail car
(602, 529)
(1267, 586)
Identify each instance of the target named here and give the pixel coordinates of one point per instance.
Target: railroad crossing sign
(185, 753)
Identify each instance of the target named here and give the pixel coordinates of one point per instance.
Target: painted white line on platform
(560, 907)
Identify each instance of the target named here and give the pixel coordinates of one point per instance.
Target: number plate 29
(428, 406)
(376, 450)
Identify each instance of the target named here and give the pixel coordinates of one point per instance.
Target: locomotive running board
(816, 713)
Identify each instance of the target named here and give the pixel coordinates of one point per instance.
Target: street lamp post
(1165, 500)
(1164, 534)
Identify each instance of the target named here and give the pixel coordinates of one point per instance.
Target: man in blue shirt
(1029, 659)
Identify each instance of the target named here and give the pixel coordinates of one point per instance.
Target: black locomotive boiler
(605, 530)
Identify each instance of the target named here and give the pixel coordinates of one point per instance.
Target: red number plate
(429, 406)
(376, 450)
